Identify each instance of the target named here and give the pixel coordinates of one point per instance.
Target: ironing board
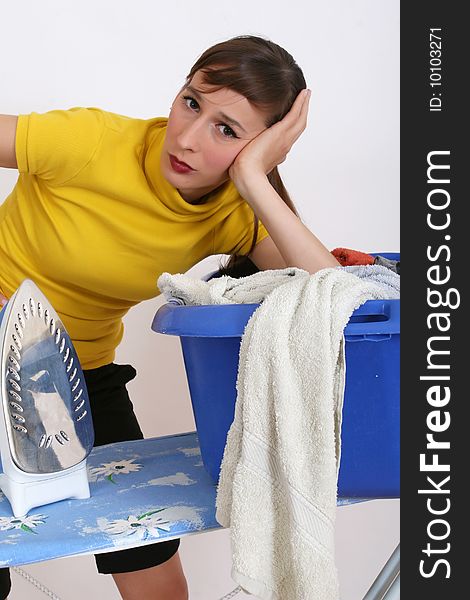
(142, 492)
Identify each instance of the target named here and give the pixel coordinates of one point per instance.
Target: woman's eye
(190, 102)
(227, 131)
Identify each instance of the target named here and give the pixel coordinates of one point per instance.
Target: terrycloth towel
(277, 489)
(278, 483)
(387, 279)
(225, 290)
(389, 263)
(183, 289)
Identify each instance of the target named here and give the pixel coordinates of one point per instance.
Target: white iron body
(46, 430)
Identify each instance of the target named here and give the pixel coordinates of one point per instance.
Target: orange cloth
(347, 257)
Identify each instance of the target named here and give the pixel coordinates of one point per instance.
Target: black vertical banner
(434, 333)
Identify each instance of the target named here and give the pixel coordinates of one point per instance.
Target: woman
(104, 204)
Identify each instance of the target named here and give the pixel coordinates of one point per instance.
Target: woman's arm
(7, 141)
(265, 255)
(289, 239)
(294, 242)
(7, 155)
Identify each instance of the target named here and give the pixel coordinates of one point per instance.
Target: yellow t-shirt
(93, 223)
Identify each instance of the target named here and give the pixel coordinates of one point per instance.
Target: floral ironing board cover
(142, 492)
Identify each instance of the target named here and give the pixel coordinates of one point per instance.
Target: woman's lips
(178, 166)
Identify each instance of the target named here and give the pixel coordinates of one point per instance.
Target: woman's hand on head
(3, 300)
(270, 147)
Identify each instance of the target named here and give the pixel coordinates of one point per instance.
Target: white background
(343, 175)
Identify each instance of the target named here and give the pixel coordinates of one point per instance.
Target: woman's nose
(190, 135)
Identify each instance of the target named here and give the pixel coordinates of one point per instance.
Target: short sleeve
(56, 145)
(234, 235)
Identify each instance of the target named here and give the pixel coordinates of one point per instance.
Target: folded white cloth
(225, 290)
(379, 274)
(278, 483)
(182, 289)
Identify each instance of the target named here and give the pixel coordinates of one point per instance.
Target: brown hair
(267, 76)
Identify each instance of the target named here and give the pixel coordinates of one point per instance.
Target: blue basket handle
(375, 320)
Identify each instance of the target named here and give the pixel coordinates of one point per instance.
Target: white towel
(278, 482)
(182, 289)
(379, 274)
(225, 290)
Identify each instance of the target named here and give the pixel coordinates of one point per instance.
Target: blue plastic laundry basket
(370, 455)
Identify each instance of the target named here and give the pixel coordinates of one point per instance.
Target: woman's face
(206, 131)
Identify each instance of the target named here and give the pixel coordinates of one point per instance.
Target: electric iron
(46, 429)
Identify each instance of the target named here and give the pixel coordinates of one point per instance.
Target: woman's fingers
(294, 123)
(301, 122)
(297, 116)
(3, 300)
